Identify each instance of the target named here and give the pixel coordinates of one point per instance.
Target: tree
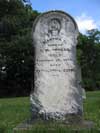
(16, 51)
(89, 58)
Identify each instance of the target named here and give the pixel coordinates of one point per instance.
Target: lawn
(14, 110)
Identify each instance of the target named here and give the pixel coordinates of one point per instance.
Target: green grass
(92, 107)
(14, 110)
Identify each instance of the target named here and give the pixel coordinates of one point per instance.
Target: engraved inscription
(56, 51)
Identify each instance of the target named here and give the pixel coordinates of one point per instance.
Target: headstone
(57, 92)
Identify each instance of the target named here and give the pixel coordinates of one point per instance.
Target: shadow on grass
(2, 129)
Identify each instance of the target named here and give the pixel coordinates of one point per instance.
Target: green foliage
(89, 59)
(16, 51)
(14, 111)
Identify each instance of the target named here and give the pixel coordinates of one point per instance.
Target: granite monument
(57, 92)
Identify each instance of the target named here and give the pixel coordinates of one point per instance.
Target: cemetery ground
(14, 110)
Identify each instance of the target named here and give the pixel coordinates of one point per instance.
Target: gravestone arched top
(54, 12)
(55, 23)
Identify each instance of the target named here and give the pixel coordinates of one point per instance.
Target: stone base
(30, 125)
(26, 125)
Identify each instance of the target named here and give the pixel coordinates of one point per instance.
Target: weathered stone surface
(57, 91)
